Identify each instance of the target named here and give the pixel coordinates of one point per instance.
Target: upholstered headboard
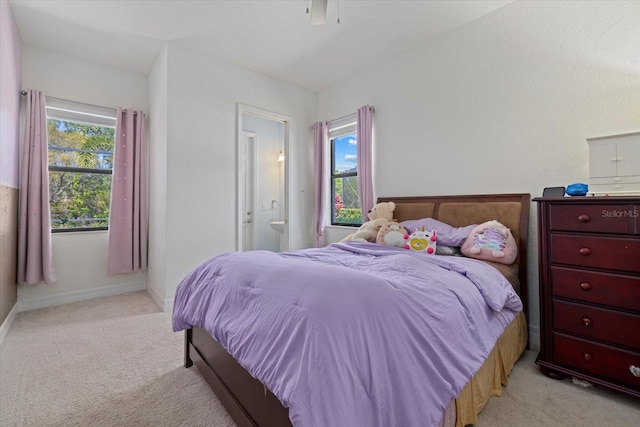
(511, 210)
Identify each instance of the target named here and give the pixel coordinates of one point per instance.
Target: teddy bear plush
(491, 241)
(391, 234)
(378, 216)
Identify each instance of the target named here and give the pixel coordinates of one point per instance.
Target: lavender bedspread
(353, 334)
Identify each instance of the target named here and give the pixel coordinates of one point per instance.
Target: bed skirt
(491, 376)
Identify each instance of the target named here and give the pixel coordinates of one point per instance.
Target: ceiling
(271, 37)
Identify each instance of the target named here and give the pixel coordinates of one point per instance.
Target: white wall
(501, 105)
(202, 99)
(80, 258)
(158, 124)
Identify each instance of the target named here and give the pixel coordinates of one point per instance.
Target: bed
(250, 401)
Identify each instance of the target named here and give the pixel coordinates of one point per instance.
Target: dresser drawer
(615, 290)
(598, 323)
(615, 180)
(614, 189)
(602, 252)
(600, 360)
(593, 218)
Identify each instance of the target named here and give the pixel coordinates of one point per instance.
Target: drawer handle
(585, 251)
(583, 218)
(587, 357)
(585, 286)
(635, 371)
(586, 321)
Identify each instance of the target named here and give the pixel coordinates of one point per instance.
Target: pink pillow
(491, 241)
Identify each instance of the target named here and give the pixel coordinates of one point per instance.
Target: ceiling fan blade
(318, 12)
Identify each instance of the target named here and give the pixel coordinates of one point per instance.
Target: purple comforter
(353, 334)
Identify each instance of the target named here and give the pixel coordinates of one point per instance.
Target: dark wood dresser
(589, 262)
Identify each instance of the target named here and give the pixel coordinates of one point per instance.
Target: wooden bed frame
(250, 403)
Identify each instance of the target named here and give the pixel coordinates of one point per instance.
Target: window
(345, 202)
(81, 141)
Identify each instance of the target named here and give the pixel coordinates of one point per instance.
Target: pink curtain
(35, 251)
(127, 247)
(365, 145)
(320, 141)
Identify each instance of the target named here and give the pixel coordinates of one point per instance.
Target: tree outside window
(345, 203)
(80, 167)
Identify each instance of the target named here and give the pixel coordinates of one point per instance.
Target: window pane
(80, 145)
(79, 200)
(345, 154)
(346, 204)
(345, 201)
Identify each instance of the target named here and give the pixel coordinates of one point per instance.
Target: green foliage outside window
(80, 163)
(346, 201)
(344, 180)
(350, 216)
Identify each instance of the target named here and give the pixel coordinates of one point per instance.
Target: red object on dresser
(589, 265)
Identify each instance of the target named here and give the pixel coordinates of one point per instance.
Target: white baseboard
(166, 305)
(68, 297)
(8, 321)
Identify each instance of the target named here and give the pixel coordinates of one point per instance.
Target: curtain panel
(365, 147)
(320, 141)
(127, 243)
(35, 250)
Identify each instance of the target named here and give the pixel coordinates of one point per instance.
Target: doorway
(262, 184)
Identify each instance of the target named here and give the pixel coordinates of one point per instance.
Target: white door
(248, 201)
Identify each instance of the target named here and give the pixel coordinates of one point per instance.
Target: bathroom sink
(278, 226)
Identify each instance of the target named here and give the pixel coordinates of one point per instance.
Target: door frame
(243, 109)
(250, 140)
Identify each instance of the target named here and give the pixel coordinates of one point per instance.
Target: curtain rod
(24, 93)
(371, 107)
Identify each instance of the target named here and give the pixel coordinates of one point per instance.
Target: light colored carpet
(107, 362)
(532, 399)
(115, 362)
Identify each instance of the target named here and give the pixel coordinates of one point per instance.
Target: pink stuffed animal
(491, 241)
